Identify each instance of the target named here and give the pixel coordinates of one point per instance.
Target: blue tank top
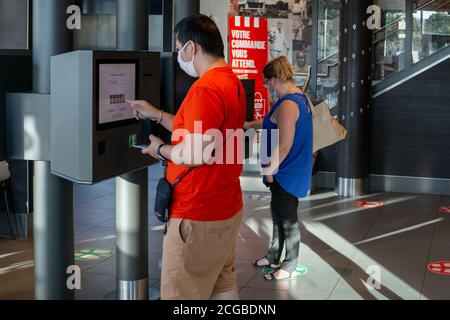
(295, 172)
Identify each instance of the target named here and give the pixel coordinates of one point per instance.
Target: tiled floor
(342, 247)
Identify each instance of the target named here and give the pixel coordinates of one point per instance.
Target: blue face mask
(273, 92)
(274, 95)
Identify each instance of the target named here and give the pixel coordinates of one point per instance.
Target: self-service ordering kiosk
(93, 129)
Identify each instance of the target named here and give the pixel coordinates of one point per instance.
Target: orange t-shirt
(211, 192)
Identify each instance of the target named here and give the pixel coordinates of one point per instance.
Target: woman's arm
(257, 124)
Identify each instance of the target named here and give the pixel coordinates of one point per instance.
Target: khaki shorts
(198, 258)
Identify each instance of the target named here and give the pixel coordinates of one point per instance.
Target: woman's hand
(269, 179)
(257, 124)
(144, 110)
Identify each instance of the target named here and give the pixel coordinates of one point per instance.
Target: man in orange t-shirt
(207, 207)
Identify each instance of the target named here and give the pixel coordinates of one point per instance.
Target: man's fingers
(134, 104)
(131, 102)
(146, 151)
(136, 114)
(152, 138)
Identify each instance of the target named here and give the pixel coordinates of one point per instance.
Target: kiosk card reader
(93, 129)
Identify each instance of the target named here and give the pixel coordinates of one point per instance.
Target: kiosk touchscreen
(117, 83)
(93, 127)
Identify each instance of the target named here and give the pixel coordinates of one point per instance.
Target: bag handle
(314, 111)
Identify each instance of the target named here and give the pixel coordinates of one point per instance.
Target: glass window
(431, 28)
(328, 52)
(389, 42)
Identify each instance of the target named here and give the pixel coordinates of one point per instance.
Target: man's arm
(197, 152)
(167, 121)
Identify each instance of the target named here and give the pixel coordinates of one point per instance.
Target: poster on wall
(249, 52)
(289, 28)
(280, 38)
(302, 31)
(273, 9)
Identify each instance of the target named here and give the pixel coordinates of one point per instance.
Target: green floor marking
(267, 270)
(301, 270)
(93, 254)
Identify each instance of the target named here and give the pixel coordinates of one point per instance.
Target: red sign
(445, 209)
(441, 267)
(249, 53)
(368, 204)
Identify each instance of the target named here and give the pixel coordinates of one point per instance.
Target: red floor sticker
(442, 268)
(445, 209)
(368, 204)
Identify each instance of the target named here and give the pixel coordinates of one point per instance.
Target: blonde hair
(279, 68)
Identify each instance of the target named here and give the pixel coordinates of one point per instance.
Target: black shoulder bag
(164, 192)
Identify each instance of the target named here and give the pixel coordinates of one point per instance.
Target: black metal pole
(132, 188)
(354, 98)
(185, 8)
(132, 25)
(174, 11)
(53, 206)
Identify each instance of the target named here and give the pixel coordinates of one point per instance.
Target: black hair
(203, 31)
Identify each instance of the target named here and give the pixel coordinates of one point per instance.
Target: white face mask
(187, 66)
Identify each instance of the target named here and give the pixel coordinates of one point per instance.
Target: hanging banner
(249, 53)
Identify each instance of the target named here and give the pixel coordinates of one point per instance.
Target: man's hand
(144, 110)
(152, 150)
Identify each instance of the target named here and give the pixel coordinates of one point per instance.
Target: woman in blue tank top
(287, 142)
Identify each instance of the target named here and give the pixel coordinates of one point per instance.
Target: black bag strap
(182, 177)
